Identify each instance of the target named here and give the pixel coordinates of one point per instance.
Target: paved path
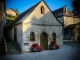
(69, 51)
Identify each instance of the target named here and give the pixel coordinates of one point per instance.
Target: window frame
(54, 36)
(32, 36)
(42, 10)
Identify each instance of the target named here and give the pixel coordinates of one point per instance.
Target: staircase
(13, 48)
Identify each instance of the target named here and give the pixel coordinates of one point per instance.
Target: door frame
(43, 42)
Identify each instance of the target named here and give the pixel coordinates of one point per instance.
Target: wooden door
(44, 41)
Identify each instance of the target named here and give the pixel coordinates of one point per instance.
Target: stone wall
(38, 30)
(77, 32)
(10, 34)
(19, 35)
(68, 21)
(11, 12)
(38, 23)
(69, 18)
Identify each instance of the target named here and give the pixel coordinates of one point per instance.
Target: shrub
(34, 45)
(36, 48)
(53, 42)
(53, 45)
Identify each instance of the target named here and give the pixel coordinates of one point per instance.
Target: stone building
(77, 32)
(2, 23)
(35, 25)
(68, 20)
(11, 12)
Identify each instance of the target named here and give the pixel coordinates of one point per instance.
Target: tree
(76, 7)
(11, 18)
(17, 12)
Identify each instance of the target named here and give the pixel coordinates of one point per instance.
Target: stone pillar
(77, 32)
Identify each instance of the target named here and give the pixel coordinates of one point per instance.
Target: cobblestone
(69, 51)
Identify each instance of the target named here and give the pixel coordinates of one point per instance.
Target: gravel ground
(69, 51)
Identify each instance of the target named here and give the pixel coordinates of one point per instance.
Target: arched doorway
(44, 41)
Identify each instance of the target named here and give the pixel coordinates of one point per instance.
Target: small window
(54, 36)
(42, 10)
(32, 36)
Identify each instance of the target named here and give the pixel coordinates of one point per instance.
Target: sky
(23, 5)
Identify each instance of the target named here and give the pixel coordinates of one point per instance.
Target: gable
(37, 18)
(33, 15)
(11, 12)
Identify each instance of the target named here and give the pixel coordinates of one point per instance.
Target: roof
(11, 9)
(21, 17)
(56, 12)
(62, 10)
(70, 26)
(25, 14)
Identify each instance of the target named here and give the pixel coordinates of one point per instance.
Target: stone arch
(44, 32)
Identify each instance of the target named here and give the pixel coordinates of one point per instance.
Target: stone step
(13, 48)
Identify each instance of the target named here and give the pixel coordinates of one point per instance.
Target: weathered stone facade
(77, 32)
(69, 21)
(38, 23)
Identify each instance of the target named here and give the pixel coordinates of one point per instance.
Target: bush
(34, 45)
(36, 48)
(53, 45)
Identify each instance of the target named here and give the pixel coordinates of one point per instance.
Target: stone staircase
(13, 48)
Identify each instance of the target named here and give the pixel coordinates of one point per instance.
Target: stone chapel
(35, 25)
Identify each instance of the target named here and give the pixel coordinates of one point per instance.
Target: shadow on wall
(36, 25)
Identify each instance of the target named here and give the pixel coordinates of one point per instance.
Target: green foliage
(76, 7)
(17, 12)
(10, 18)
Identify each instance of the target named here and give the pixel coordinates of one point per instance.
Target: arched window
(32, 36)
(54, 36)
(42, 10)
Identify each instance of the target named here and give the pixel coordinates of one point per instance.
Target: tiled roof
(12, 9)
(61, 11)
(56, 12)
(25, 14)
(70, 26)
(21, 17)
